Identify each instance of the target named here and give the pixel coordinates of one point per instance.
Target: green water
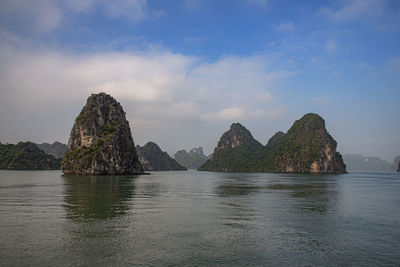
(199, 218)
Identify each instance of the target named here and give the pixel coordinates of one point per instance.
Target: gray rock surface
(101, 142)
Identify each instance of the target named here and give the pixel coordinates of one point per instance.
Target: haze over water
(199, 218)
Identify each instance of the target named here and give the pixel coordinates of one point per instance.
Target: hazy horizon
(184, 71)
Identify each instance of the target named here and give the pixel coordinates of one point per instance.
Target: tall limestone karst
(307, 147)
(153, 158)
(236, 151)
(101, 142)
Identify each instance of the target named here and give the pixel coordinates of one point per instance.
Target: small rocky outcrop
(398, 167)
(101, 142)
(236, 151)
(307, 147)
(153, 158)
(56, 149)
(26, 156)
(192, 159)
(396, 162)
(274, 141)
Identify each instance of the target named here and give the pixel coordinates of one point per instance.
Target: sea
(192, 218)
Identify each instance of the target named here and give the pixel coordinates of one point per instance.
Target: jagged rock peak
(236, 151)
(275, 140)
(307, 147)
(153, 158)
(236, 136)
(101, 142)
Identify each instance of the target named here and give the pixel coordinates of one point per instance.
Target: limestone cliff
(236, 151)
(153, 158)
(307, 147)
(101, 142)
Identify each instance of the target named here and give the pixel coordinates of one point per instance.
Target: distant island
(357, 162)
(56, 149)
(26, 156)
(307, 147)
(100, 142)
(153, 158)
(192, 159)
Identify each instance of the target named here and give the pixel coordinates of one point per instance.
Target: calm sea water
(199, 218)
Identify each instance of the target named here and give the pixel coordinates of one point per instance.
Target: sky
(185, 70)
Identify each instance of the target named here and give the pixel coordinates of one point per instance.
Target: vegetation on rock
(236, 151)
(306, 148)
(26, 156)
(192, 160)
(101, 142)
(153, 158)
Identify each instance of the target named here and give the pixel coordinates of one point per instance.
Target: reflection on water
(309, 192)
(97, 197)
(236, 204)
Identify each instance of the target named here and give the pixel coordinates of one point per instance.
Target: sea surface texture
(199, 218)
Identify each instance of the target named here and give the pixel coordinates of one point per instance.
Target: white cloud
(354, 9)
(159, 90)
(229, 114)
(284, 27)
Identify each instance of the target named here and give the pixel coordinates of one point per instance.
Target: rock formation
(307, 147)
(236, 151)
(398, 167)
(274, 141)
(26, 156)
(396, 162)
(192, 160)
(101, 142)
(56, 149)
(153, 158)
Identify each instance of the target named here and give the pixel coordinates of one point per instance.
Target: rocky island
(153, 158)
(192, 159)
(26, 156)
(307, 147)
(100, 142)
(236, 151)
(56, 149)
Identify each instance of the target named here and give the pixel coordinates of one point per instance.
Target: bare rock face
(101, 142)
(307, 147)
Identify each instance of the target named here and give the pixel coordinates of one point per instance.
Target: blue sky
(185, 70)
